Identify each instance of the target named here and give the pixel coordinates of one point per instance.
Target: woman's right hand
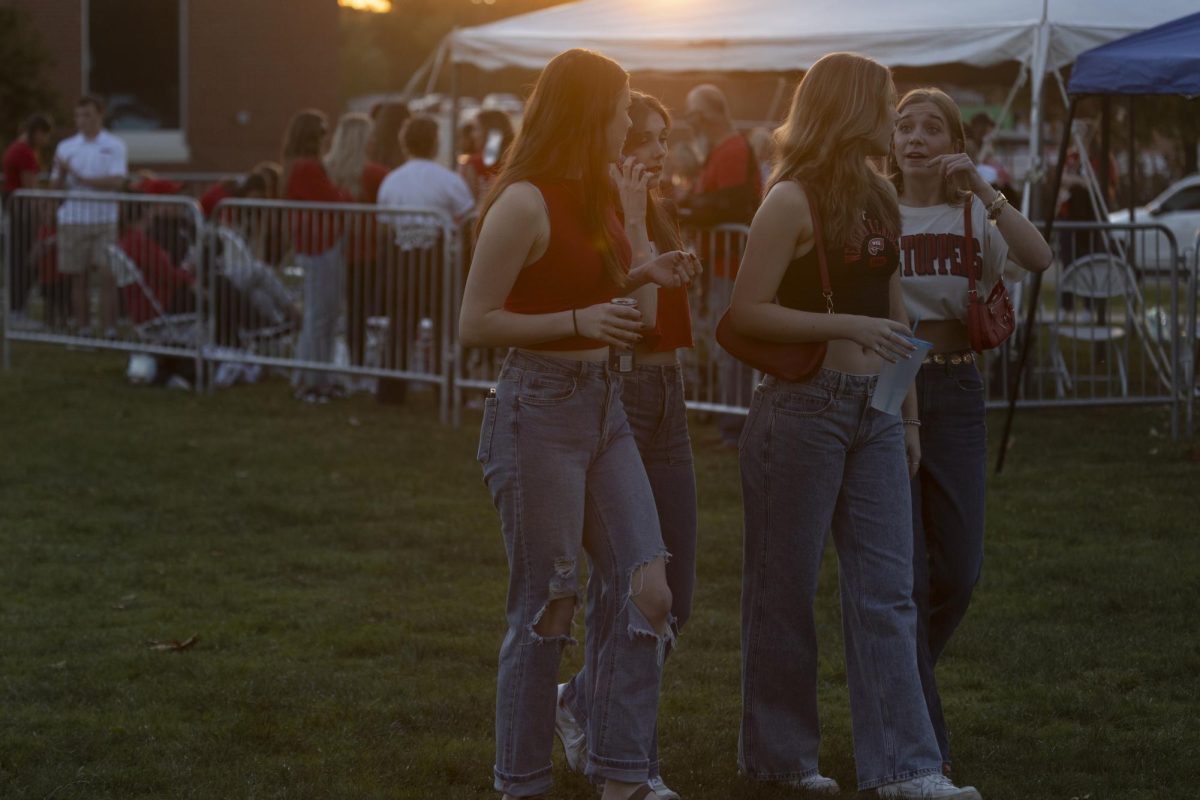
(881, 336)
(610, 323)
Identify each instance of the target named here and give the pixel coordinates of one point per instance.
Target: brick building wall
(249, 66)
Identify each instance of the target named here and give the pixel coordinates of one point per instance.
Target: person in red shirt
(653, 397)
(21, 168)
(317, 239)
(727, 192)
(495, 135)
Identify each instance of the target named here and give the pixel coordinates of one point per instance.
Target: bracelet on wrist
(911, 421)
(996, 207)
(574, 322)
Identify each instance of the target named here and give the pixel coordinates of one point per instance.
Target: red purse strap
(969, 235)
(819, 243)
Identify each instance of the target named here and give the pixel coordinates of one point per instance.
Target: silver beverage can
(621, 359)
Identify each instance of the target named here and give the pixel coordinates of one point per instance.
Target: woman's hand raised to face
(631, 179)
(959, 168)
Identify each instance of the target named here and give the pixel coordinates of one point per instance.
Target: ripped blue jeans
(566, 477)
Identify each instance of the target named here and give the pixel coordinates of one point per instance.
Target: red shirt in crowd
(19, 159)
(213, 195)
(728, 165)
(160, 275)
(672, 323)
(313, 232)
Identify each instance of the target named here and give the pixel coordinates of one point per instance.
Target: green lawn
(343, 570)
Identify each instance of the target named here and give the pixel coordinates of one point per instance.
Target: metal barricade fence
(323, 289)
(103, 270)
(1108, 323)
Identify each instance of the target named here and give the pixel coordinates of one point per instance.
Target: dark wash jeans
(564, 473)
(948, 516)
(653, 397)
(816, 457)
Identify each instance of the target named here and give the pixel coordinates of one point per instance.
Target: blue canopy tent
(1164, 60)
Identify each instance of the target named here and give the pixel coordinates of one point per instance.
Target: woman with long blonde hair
(938, 185)
(816, 457)
(557, 453)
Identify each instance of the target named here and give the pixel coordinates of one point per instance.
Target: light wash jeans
(815, 456)
(324, 279)
(948, 516)
(564, 473)
(653, 397)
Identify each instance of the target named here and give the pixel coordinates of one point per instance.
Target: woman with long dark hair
(653, 397)
(936, 181)
(815, 455)
(319, 250)
(557, 453)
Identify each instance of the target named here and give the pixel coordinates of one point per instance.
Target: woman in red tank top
(653, 397)
(557, 453)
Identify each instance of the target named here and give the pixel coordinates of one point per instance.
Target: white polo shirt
(101, 157)
(422, 184)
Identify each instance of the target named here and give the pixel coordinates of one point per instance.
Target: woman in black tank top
(816, 456)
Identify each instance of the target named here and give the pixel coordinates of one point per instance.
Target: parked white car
(1178, 210)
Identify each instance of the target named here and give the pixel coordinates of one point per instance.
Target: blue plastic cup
(894, 379)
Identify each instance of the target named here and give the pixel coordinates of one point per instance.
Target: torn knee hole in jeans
(639, 625)
(564, 585)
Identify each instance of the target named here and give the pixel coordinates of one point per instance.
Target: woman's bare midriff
(594, 354)
(651, 358)
(947, 335)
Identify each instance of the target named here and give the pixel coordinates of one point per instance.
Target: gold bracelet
(996, 207)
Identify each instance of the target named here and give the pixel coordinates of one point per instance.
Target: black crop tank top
(859, 273)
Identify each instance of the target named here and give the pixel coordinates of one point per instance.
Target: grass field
(342, 568)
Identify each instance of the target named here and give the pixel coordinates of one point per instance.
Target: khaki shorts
(84, 247)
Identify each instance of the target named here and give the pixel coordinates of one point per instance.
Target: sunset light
(373, 6)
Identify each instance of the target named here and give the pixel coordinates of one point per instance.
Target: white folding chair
(1097, 277)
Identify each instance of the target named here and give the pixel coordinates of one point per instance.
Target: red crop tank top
(570, 274)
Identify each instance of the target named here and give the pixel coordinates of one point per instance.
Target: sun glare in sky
(374, 6)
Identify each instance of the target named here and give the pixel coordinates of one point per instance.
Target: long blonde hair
(953, 191)
(348, 152)
(565, 128)
(838, 107)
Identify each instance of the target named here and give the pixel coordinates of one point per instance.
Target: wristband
(911, 421)
(574, 322)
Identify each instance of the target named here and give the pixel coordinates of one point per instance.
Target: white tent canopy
(778, 35)
(786, 35)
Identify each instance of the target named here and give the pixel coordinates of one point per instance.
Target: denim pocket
(972, 384)
(807, 401)
(546, 388)
(487, 430)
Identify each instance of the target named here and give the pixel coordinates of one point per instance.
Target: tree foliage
(24, 62)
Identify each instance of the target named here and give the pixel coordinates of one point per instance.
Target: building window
(134, 57)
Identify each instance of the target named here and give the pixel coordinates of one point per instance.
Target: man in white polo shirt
(92, 160)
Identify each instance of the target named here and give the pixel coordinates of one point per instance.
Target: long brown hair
(660, 220)
(952, 190)
(565, 129)
(303, 139)
(838, 106)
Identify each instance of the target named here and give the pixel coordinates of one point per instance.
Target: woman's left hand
(912, 449)
(960, 168)
(631, 178)
(672, 269)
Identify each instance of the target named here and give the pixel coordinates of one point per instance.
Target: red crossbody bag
(990, 321)
(788, 361)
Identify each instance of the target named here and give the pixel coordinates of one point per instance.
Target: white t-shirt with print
(422, 184)
(101, 157)
(932, 251)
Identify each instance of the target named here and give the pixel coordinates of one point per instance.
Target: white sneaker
(818, 784)
(661, 789)
(929, 787)
(573, 737)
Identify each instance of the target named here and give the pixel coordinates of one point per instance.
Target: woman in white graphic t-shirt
(933, 175)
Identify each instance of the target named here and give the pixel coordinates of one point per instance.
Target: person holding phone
(557, 452)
